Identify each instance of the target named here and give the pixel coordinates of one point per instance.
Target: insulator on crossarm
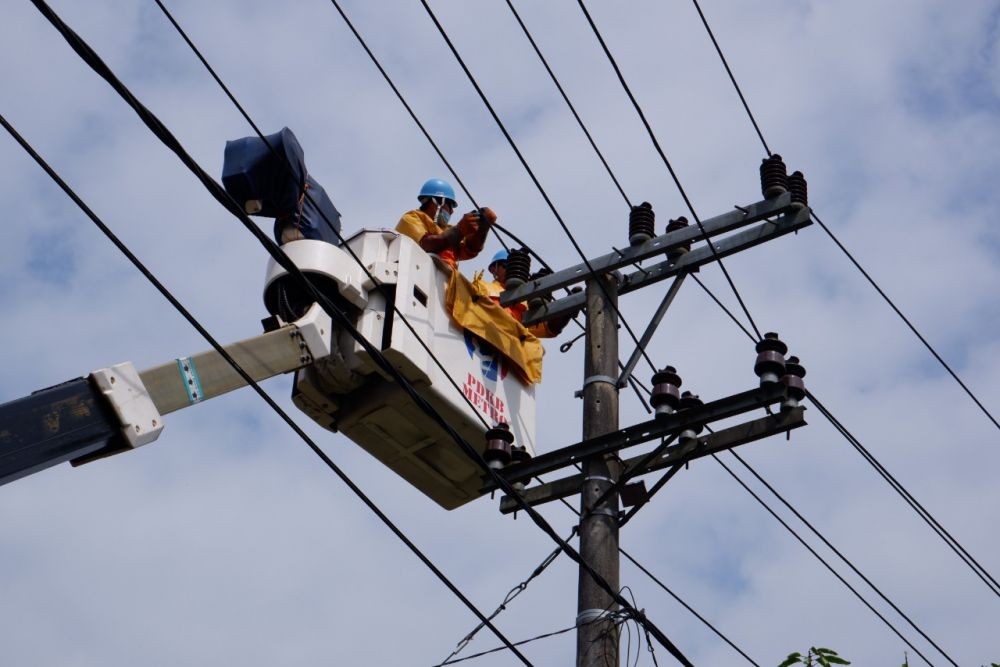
(770, 365)
(519, 454)
(795, 385)
(518, 268)
(797, 186)
(539, 301)
(498, 446)
(666, 394)
(773, 177)
(689, 436)
(680, 251)
(641, 223)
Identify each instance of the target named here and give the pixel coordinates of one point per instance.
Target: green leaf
(835, 660)
(824, 651)
(792, 659)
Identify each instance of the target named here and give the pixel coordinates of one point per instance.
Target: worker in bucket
(498, 269)
(429, 225)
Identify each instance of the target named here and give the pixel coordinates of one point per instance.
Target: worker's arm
(419, 227)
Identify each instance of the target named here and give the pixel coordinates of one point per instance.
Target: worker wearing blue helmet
(429, 225)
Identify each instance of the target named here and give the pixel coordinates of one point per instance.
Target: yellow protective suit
(540, 330)
(416, 224)
(472, 308)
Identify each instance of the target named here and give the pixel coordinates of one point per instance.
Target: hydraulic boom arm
(117, 409)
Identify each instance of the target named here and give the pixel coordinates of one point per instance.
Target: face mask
(443, 216)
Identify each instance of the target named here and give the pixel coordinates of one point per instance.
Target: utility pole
(606, 480)
(597, 634)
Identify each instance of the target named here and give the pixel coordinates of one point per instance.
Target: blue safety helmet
(501, 256)
(437, 189)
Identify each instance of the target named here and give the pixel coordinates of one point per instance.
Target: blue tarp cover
(277, 179)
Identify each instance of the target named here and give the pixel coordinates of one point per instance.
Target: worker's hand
(488, 216)
(469, 224)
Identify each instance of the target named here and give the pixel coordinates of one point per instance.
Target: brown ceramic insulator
(519, 454)
(673, 226)
(770, 358)
(666, 390)
(773, 177)
(518, 268)
(794, 372)
(641, 223)
(797, 186)
(498, 445)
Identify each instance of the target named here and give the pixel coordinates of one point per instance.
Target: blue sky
(226, 542)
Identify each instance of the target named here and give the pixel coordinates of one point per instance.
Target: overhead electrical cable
(688, 607)
(666, 162)
(572, 109)
(255, 386)
(840, 245)
(674, 470)
(821, 559)
(593, 144)
(338, 316)
(894, 483)
(841, 556)
(534, 179)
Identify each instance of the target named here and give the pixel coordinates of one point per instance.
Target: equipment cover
(273, 175)
(472, 309)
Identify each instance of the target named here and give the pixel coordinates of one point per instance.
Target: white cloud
(226, 542)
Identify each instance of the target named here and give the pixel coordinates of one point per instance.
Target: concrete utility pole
(597, 635)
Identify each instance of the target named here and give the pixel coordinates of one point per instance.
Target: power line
(895, 484)
(511, 595)
(252, 383)
(343, 244)
(531, 175)
(841, 555)
(842, 247)
(168, 139)
(666, 162)
(948, 539)
(621, 78)
(688, 607)
(572, 109)
(821, 559)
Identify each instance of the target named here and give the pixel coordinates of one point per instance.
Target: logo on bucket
(491, 362)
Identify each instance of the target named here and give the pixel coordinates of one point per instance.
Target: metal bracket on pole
(595, 378)
(647, 335)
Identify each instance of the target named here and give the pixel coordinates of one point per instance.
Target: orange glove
(469, 224)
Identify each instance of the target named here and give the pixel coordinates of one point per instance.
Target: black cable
(168, 139)
(666, 162)
(952, 543)
(840, 245)
(534, 179)
(907, 322)
(841, 556)
(252, 383)
(907, 497)
(572, 109)
(413, 115)
(343, 244)
(732, 78)
(511, 595)
(501, 648)
(684, 604)
(821, 559)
